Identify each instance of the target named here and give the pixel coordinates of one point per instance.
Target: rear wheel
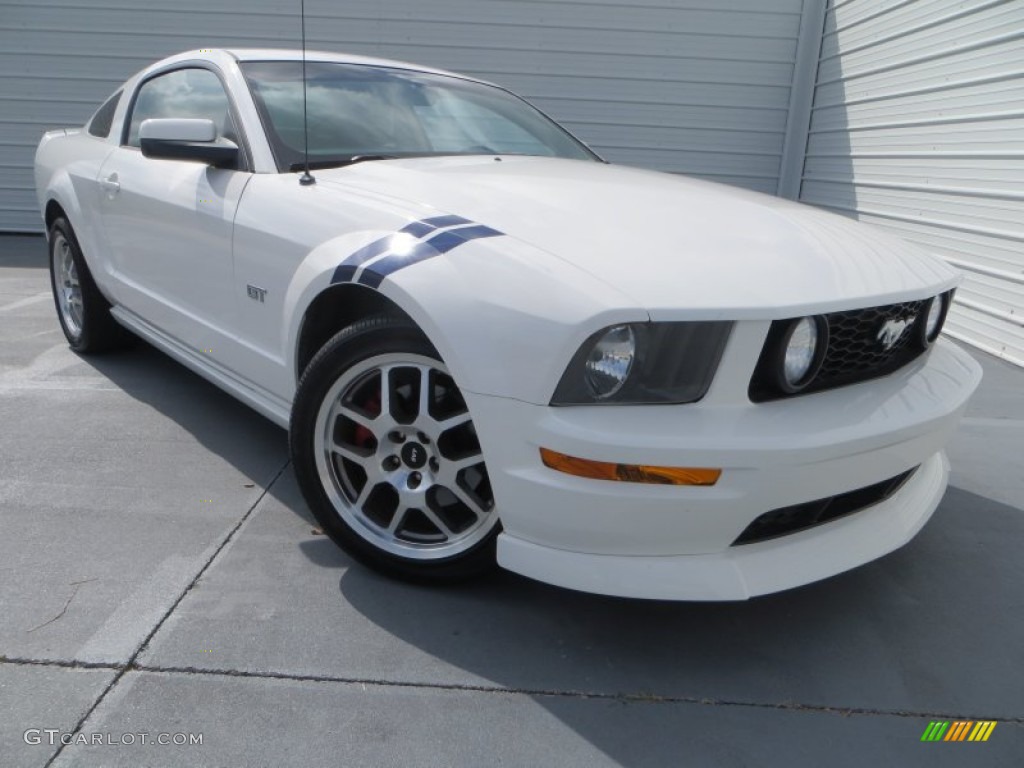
(83, 313)
(387, 456)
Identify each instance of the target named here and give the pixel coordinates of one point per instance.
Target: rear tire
(387, 458)
(83, 313)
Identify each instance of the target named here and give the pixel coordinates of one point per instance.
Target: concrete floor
(159, 573)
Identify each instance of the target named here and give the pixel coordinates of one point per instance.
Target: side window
(101, 122)
(183, 93)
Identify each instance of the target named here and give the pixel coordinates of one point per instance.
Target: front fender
(505, 316)
(314, 276)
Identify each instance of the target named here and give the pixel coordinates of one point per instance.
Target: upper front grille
(855, 349)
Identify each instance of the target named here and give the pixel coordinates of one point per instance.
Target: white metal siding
(693, 86)
(917, 125)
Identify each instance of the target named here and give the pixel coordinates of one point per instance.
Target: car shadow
(893, 636)
(223, 425)
(936, 627)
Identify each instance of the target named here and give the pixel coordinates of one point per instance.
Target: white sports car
(489, 345)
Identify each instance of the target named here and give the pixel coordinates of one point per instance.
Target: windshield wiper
(339, 162)
(361, 158)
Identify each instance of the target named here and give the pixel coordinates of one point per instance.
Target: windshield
(359, 112)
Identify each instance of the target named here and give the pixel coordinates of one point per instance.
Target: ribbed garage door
(918, 125)
(695, 86)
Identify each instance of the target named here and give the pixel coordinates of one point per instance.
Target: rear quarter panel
(67, 165)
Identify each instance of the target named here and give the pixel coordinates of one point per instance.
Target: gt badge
(256, 294)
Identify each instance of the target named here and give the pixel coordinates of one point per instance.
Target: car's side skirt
(257, 398)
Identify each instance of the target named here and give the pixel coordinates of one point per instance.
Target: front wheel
(387, 457)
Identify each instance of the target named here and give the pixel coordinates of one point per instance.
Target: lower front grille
(799, 517)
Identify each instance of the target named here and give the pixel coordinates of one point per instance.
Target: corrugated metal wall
(694, 86)
(918, 125)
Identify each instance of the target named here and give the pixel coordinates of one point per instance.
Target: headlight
(644, 363)
(937, 309)
(610, 361)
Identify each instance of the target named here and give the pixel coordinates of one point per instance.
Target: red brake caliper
(364, 437)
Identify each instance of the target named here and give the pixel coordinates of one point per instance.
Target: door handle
(111, 185)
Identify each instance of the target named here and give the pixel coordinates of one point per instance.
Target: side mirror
(186, 139)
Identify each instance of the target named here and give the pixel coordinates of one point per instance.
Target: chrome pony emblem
(893, 330)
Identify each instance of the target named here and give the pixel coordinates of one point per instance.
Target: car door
(168, 223)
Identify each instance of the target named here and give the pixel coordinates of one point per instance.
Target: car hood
(671, 243)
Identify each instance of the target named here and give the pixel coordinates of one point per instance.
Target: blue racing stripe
(441, 243)
(364, 254)
(439, 222)
(426, 226)
(374, 274)
(453, 238)
(417, 229)
(344, 273)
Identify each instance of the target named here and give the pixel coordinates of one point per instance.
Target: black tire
(89, 327)
(332, 373)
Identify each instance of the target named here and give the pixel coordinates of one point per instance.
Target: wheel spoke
(385, 393)
(358, 418)
(443, 425)
(466, 499)
(397, 519)
(364, 494)
(468, 461)
(434, 518)
(351, 454)
(449, 474)
(423, 409)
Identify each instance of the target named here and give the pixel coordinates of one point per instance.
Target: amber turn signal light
(629, 473)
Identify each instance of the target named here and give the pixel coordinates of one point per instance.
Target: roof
(295, 54)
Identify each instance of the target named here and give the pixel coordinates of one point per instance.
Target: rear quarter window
(102, 121)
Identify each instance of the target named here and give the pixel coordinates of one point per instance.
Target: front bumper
(669, 542)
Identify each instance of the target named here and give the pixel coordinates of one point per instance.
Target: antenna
(306, 178)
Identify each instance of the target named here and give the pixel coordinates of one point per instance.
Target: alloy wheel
(67, 285)
(399, 458)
